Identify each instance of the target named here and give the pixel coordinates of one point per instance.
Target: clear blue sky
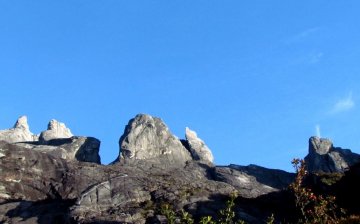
(255, 79)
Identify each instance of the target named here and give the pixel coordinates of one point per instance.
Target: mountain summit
(58, 178)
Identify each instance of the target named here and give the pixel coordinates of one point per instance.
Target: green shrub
(207, 220)
(167, 210)
(270, 219)
(186, 218)
(227, 214)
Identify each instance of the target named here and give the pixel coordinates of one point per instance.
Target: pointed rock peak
(22, 123)
(190, 133)
(55, 130)
(56, 125)
(197, 147)
(148, 138)
(320, 145)
(19, 133)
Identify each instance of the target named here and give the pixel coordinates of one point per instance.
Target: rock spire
(148, 138)
(197, 147)
(55, 130)
(19, 133)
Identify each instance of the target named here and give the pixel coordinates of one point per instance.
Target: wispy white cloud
(343, 104)
(315, 57)
(317, 130)
(307, 32)
(302, 35)
(310, 58)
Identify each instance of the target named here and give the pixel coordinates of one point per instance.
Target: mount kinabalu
(56, 177)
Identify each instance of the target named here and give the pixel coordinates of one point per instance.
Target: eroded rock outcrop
(253, 181)
(57, 141)
(197, 147)
(19, 133)
(55, 130)
(324, 157)
(84, 149)
(148, 138)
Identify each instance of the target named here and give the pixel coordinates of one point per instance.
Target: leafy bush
(313, 208)
(167, 210)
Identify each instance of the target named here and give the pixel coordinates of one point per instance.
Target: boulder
(19, 133)
(148, 138)
(55, 130)
(197, 147)
(324, 157)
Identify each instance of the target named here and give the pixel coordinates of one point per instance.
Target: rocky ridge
(59, 178)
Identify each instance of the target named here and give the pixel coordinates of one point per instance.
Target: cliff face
(59, 179)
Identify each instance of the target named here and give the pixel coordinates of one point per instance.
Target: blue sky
(255, 79)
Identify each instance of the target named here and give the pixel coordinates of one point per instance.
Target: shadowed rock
(253, 181)
(84, 149)
(83, 192)
(324, 157)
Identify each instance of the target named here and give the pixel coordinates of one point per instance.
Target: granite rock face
(19, 133)
(148, 138)
(55, 130)
(37, 187)
(60, 180)
(253, 181)
(197, 147)
(324, 157)
(84, 149)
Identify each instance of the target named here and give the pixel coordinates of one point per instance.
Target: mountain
(56, 177)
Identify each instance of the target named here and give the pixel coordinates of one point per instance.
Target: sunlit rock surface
(19, 133)
(148, 138)
(197, 147)
(55, 130)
